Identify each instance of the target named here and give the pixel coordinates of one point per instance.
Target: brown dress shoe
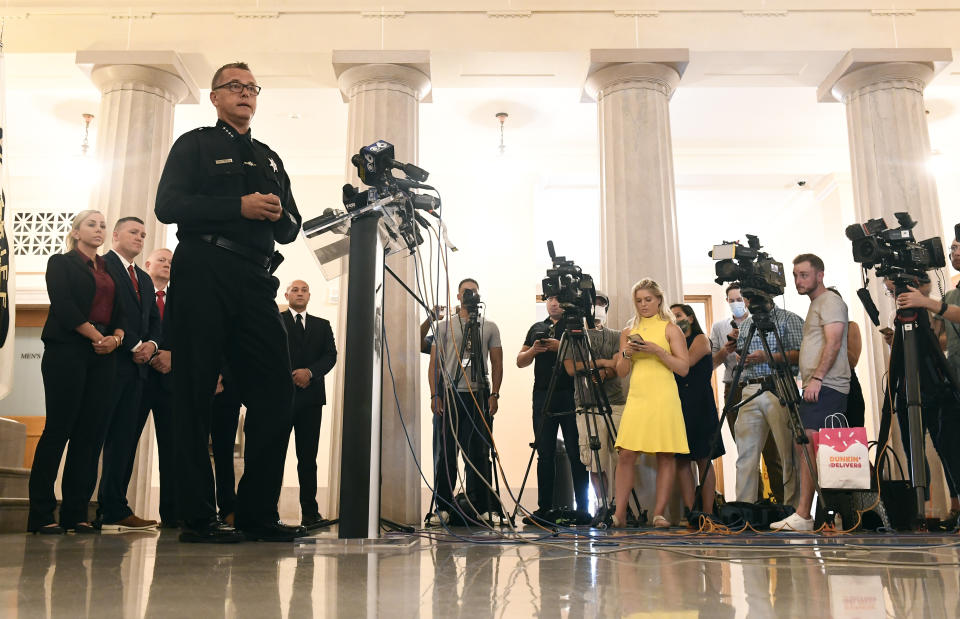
(130, 523)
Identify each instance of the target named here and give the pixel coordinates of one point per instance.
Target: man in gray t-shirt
(456, 358)
(466, 399)
(605, 347)
(824, 370)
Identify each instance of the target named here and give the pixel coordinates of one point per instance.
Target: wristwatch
(943, 309)
(495, 395)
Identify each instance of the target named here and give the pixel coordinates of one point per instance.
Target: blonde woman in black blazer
(82, 331)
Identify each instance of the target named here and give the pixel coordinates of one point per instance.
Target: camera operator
(951, 331)
(540, 348)
(723, 343)
(824, 370)
(765, 415)
(931, 397)
(466, 406)
(605, 347)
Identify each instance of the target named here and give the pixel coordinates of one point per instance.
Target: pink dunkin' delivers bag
(842, 457)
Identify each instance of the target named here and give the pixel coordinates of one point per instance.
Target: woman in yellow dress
(654, 349)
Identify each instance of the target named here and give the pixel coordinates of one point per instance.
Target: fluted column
(638, 219)
(384, 91)
(882, 90)
(134, 133)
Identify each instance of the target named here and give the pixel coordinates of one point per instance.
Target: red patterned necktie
(133, 278)
(161, 304)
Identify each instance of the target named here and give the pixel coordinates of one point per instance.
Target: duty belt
(241, 250)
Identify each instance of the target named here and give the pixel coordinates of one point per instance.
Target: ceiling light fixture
(502, 116)
(85, 146)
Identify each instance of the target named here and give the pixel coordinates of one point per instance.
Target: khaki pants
(607, 455)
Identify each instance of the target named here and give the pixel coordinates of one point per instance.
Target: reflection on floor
(152, 575)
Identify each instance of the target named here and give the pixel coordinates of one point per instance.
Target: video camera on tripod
(573, 288)
(895, 254)
(761, 277)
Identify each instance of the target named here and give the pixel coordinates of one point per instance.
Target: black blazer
(140, 312)
(71, 288)
(312, 348)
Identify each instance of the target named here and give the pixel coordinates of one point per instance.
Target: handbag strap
(885, 459)
(836, 418)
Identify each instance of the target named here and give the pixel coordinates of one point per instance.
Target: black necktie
(300, 322)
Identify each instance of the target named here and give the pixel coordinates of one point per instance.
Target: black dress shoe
(273, 532)
(211, 532)
(169, 524)
(51, 529)
(85, 528)
(311, 523)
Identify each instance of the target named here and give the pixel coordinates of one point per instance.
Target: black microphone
(420, 220)
(354, 199)
(426, 203)
(553, 253)
(413, 172)
(406, 183)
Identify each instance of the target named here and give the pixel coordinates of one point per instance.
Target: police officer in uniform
(230, 198)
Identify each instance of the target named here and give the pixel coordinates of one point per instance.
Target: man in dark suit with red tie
(142, 317)
(158, 391)
(313, 353)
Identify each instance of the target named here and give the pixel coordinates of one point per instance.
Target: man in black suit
(313, 353)
(135, 288)
(158, 391)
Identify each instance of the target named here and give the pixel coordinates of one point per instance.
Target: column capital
(873, 66)
(411, 69)
(162, 70)
(609, 67)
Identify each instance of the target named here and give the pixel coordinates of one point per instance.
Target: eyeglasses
(236, 88)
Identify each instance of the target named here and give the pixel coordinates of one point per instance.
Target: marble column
(135, 130)
(882, 90)
(384, 90)
(638, 220)
(134, 133)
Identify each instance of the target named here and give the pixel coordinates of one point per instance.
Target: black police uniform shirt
(544, 362)
(208, 170)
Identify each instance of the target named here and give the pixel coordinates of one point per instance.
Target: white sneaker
(793, 522)
(495, 519)
(438, 518)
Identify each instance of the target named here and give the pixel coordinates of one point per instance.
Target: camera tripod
(780, 383)
(916, 348)
(575, 344)
(472, 361)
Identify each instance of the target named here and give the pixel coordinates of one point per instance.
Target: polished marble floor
(676, 575)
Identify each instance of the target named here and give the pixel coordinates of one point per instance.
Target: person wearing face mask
(652, 350)
(540, 348)
(723, 342)
(605, 348)
(699, 412)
